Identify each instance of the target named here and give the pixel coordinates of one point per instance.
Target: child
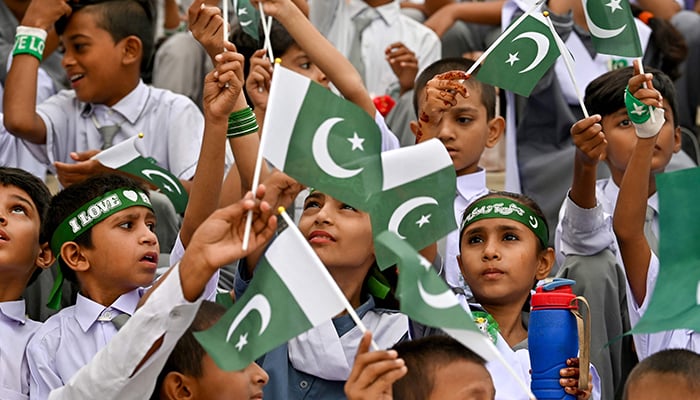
(668, 374)
(466, 124)
(433, 367)
(191, 373)
(24, 202)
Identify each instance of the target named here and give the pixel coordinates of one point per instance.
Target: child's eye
(464, 120)
(126, 225)
(306, 65)
(625, 123)
(18, 210)
(510, 236)
(151, 226)
(312, 204)
(475, 240)
(348, 207)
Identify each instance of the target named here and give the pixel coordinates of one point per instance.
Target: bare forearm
(430, 6)
(20, 100)
(488, 12)
(664, 9)
(583, 184)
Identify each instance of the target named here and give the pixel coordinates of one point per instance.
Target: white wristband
(652, 126)
(32, 31)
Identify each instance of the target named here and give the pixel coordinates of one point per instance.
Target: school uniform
(15, 330)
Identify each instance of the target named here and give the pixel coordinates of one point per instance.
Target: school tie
(649, 232)
(361, 21)
(119, 320)
(107, 132)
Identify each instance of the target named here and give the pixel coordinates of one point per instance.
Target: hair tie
(645, 16)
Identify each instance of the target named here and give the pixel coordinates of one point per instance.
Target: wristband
(640, 115)
(241, 123)
(30, 40)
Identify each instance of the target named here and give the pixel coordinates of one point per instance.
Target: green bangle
(241, 123)
(29, 44)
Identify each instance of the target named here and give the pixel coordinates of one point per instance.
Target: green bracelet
(29, 44)
(241, 123)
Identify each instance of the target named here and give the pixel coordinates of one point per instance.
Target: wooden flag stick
(226, 21)
(266, 30)
(644, 84)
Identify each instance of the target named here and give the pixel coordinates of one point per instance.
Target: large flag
(427, 299)
(675, 302)
(290, 293)
(321, 140)
(520, 59)
(127, 156)
(612, 27)
(415, 202)
(248, 18)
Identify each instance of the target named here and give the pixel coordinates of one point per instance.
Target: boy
(668, 374)
(24, 201)
(466, 124)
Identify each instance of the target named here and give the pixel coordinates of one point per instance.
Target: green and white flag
(612, 27)
(415, 202)
(291, 292)
(321, 140)
(127, 157)
(675, 302)
(520, 59)
(248, 18)
(427, 299)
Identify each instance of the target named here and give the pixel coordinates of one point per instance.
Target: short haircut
(680, 362)
(186, 357)
(121, 18)
(605, 94)
(488, 92)
(75, 196)
(423, 357)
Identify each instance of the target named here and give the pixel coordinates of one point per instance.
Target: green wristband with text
(29, 44)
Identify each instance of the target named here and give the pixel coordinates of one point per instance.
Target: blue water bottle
(552, 337)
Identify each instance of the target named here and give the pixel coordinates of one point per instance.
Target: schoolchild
(24, 253)
(669, 374)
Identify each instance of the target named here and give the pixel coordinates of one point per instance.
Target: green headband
(85, 218)
(501, 207)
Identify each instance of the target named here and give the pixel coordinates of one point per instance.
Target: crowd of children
(144, 276)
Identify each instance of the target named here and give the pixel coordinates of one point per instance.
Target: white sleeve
(584, 231)
(110, 374)
(389, 139)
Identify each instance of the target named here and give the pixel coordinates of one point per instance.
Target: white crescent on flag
(542, 48)
(150, 172)
(598, 31)
(323, 158)
(406, 207)
(257, 303)
(441, 301)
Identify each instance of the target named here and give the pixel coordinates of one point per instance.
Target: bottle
(552, 337)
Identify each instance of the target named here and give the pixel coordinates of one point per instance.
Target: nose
(323, 216)
(67, 59)
(445, 130)
(491, 251)
(258, 376)
(321, 78)
(148, 236)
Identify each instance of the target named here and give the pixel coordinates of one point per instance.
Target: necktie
(119, 320)
(108, 132)
(649, 232)
(361, 22)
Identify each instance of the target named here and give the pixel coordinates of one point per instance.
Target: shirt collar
(612, 191)
(129, 107)
(88, 311)
(14, 310)
(472, 185)
(388, 12)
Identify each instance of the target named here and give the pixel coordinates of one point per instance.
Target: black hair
(186, 357)
(75, 196)
(121, 18)
(423, 357)
(681, 362)
(38, 193)
(488, 92)
(670, 48)
(605, 94)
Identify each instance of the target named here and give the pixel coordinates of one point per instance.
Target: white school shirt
(172, 125)
(589, 231)
(108, 375)
(15, 330)
(469, 188)
(333, 18)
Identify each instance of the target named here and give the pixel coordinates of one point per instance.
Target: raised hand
(257, 84)
(589, 138)
(404, 63)
(373, 373)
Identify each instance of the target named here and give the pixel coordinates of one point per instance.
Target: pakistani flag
(675, 302)
(612, 27)
(248, 18)
(415, 203)
(290, 293)
(427, 299)
(518, 60)
(320, 139)
(127, 157)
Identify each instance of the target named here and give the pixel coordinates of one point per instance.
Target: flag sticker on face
(320, 139)
(519, 61)
(612, 27)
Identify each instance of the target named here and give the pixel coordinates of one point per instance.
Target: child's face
(340, 234)
(622, 138)
(500, 260)
(92, 60)
(124, 251)
(667, 386)
(19, 231)
(465, 131)
(216, 383)
(297, 60)
(450, 382)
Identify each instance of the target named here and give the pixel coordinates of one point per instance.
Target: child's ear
(677, 139)
(45, 257)
(415, 128)
(72, 254)
(176, 386)
(497, 125)
(545, 264)
(132, 50)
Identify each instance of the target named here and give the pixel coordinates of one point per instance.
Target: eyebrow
(464, 109)
(315, 195)
(500, 228)
(24, 200)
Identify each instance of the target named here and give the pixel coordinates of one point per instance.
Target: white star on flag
(356, 142)
(614, 5)
(242, 11)
(242, 341)
(424, 219)
(639, 109)
(512, 58)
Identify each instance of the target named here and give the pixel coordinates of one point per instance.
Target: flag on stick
(248, 18)
(127, 156)
(612, 27)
